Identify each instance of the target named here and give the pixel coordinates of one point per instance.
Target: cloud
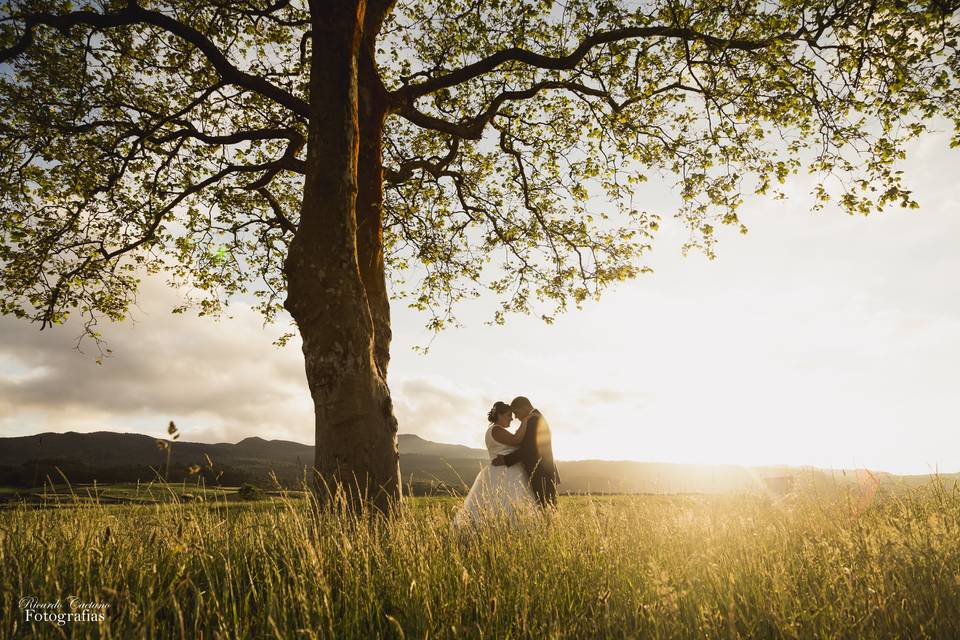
(220, 380)
(605, 396)
(435, 409)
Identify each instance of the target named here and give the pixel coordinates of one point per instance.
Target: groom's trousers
(544, 488)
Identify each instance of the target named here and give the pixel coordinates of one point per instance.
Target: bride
(498, 491)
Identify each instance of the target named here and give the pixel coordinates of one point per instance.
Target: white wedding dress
(498, 492)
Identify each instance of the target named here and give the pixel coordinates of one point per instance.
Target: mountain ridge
(110, 456)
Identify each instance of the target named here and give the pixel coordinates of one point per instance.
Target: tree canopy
(141, 137)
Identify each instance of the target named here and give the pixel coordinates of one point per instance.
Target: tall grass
(812, 566)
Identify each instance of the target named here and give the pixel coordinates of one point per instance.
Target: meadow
(808, 565)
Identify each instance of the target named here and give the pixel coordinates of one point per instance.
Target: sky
(816, 339)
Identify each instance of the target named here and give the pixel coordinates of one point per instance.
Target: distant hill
(109, 449)
(415, 445)
(107, 456)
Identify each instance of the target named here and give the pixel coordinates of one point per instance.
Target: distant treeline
(37, 473)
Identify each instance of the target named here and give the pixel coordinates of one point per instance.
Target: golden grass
(810, 566)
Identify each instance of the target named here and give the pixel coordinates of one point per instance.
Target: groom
(535, 452)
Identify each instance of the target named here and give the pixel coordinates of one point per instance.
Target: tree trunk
(372, 112)
(373, 106)
(356, 450)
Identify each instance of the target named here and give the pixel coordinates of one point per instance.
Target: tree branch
(405, 95)
(190, 131)
(472, 129)
(278, 213)
(134, 14)
(288, 161)
(433, 166)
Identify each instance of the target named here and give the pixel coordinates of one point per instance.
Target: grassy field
(822, 565)
(125, 493)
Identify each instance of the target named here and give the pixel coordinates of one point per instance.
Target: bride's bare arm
(503, 436)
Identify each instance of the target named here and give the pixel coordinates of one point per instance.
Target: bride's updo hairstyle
(499, 408)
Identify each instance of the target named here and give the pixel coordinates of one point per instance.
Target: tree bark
(372, 112)
(356, 450)
(373, 107)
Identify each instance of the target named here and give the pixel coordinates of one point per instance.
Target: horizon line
(799, 467)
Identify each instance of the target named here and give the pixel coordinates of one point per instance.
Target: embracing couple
(522, 475)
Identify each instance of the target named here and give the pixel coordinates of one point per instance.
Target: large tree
(312, 154)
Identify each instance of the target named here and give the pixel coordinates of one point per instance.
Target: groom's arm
(506, 460)
(511, 458)
(529, 439)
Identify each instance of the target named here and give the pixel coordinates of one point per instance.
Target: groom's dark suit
(536, 454)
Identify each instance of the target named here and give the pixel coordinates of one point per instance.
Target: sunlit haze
(817, 338)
